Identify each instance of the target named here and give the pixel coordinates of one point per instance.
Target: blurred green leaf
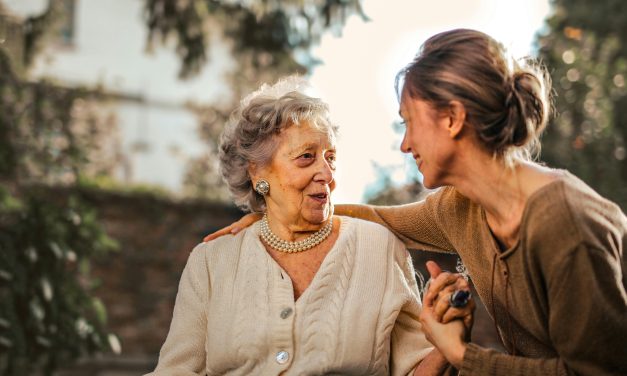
(585, 48)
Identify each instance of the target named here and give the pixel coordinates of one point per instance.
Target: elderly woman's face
(301, 176)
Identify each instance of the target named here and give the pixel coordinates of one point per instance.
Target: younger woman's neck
(493, 185)
(499, 190)
(502, 191)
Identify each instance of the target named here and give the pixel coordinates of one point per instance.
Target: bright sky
(357, 77)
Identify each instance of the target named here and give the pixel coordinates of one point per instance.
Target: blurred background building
(103, 45)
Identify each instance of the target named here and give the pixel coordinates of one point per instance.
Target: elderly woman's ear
(255, 173)
(252, 171)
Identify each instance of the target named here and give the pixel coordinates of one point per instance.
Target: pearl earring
(262, 187)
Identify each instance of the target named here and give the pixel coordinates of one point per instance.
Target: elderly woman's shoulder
(376, 241)
(224, 246)
(368, 229)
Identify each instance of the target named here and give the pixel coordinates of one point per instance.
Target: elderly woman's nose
(325, 172)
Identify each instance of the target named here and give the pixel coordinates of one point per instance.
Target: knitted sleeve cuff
(474, 360)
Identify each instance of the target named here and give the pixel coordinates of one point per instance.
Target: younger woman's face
(427, 139)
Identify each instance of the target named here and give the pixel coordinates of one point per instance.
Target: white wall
(169, 133)
(109, 50)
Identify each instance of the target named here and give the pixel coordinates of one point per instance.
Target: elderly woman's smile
(301, 174)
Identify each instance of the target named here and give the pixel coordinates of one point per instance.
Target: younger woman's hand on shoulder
(235, 227)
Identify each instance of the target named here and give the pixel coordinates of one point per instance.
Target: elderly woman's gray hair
(251, 135)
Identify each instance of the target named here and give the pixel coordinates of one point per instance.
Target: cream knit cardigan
(235, 312)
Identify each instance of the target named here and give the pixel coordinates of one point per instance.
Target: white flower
(114, 343)
(46, 289)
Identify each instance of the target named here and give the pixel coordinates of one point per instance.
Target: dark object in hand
(459, 298)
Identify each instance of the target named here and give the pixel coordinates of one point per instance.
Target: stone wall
(138, 283)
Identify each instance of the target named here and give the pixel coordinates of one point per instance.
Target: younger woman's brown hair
(507, 102)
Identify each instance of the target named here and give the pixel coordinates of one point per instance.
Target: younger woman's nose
(405, 148)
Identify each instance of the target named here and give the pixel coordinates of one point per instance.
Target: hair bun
(528, 105)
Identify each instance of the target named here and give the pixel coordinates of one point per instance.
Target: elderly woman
(301, 292)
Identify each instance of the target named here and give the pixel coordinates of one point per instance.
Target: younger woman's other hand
(447, 338)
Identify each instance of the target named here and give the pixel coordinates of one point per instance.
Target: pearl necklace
(290, 247)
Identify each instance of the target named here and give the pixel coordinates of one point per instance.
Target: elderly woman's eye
(307, 155)
(331, 160)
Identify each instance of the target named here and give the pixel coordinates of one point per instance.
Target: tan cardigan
(235, 312)
(558, 296)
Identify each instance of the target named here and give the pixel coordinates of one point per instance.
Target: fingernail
(234, 230)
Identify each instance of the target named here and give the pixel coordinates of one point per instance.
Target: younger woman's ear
(457, 118)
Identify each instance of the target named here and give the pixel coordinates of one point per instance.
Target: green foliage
(586, 52)
(52, 134)
(47, 315)
(270, 30)
(38, 29)
(35, 129)
(109, 184)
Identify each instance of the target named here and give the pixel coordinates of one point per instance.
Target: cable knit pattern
(382, 351)
(254, 290)
(323, 309)
(358, 316)
(406, 279)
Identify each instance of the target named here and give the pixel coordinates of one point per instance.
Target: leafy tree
(270, 30)
(47, 315)
(585, 49)
(48, 135)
